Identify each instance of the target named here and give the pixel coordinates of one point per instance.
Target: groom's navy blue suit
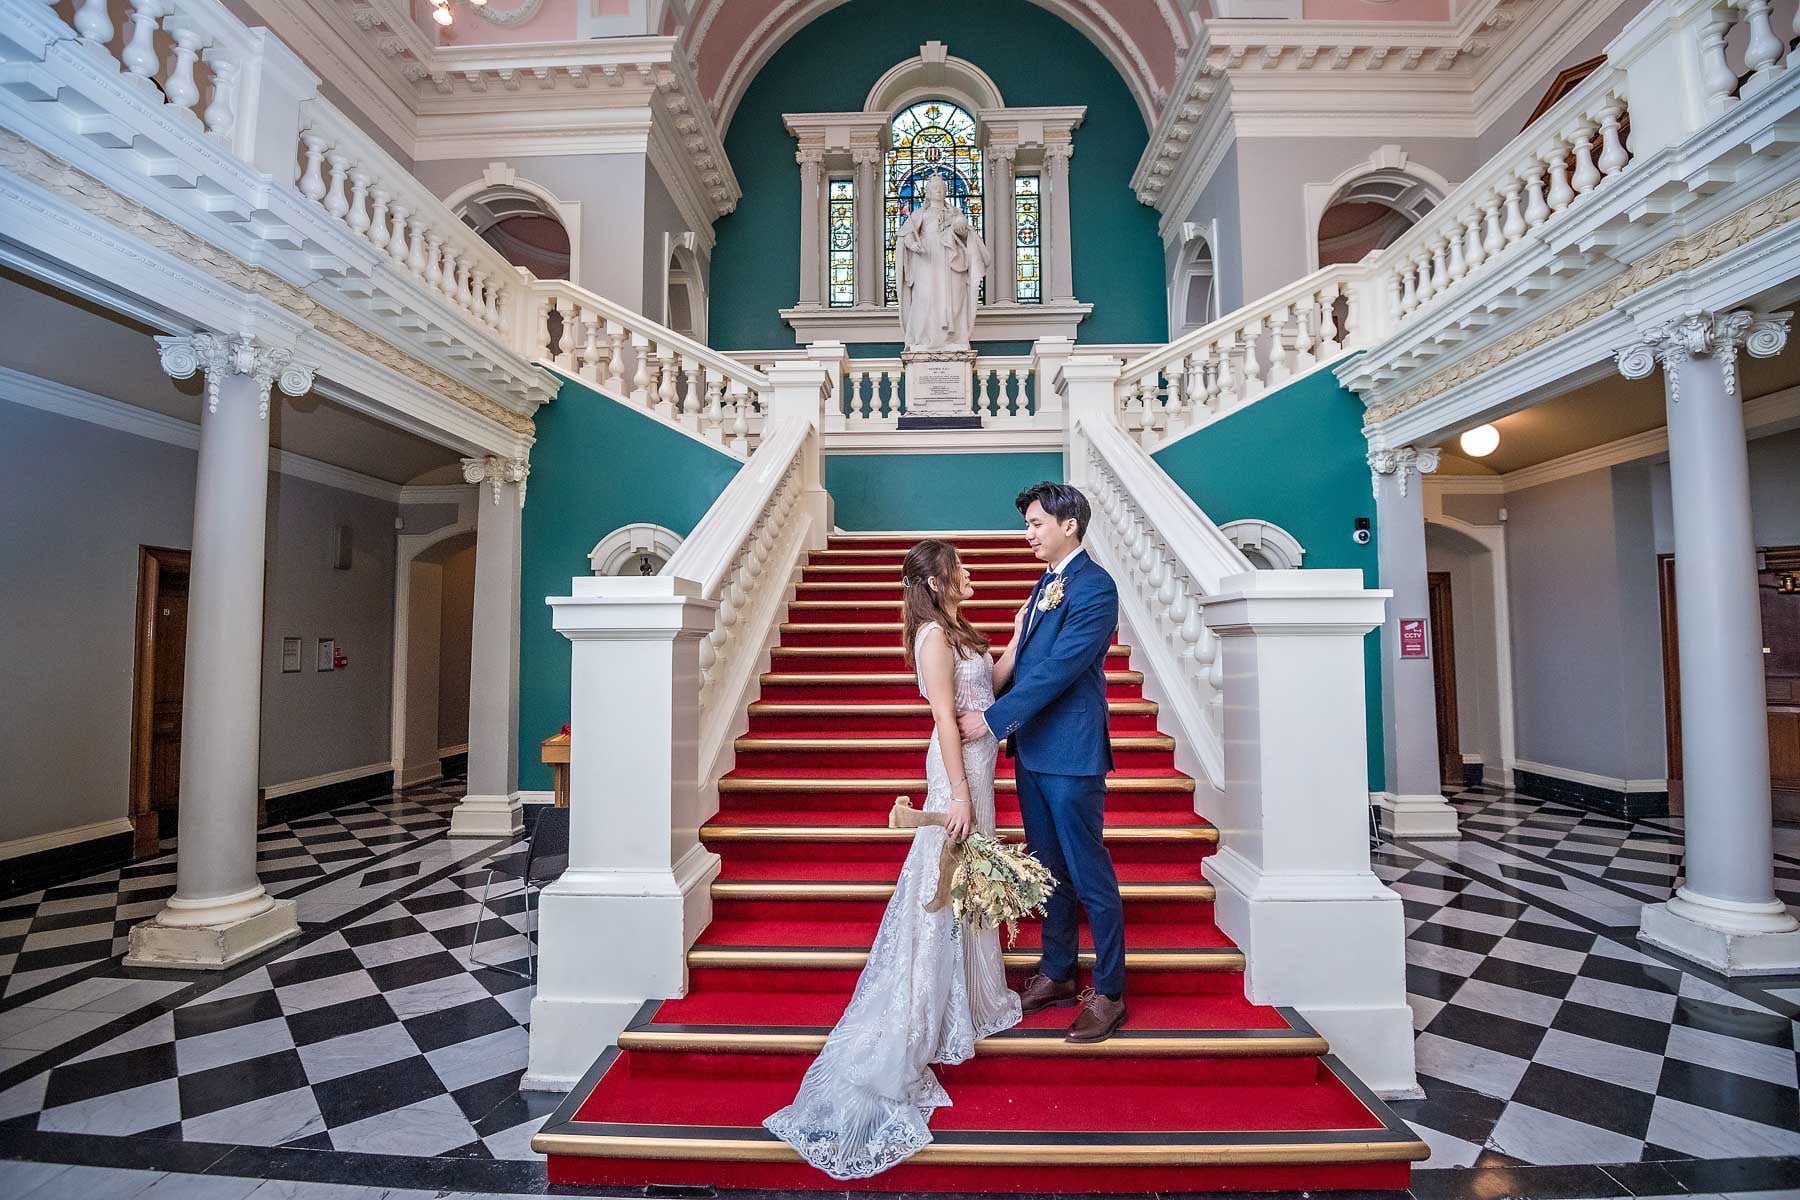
(1053, 715)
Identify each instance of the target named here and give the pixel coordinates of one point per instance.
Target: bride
(930, 989)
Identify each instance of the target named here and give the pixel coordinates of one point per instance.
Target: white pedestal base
(211, 947)
(608, 941)
(487, 817)
(1417, 817)
(1732, 939)
(1332, 946)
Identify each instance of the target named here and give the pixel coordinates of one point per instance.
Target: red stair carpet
(1203, 1090)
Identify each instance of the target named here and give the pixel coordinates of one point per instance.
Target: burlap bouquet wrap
(988, 882)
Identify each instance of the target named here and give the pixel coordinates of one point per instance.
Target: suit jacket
(1054, 708)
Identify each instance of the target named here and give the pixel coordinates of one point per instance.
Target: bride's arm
(938, 666)
(1003, 670)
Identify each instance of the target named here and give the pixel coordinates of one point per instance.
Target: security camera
(1361, 535)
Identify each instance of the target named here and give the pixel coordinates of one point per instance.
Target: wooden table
(554, 752)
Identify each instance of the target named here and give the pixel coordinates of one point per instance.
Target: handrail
(589, 304)
(716, 542)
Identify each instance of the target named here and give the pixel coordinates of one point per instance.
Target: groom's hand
(973, 725)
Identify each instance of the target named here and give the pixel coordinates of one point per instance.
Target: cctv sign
(1414, 642)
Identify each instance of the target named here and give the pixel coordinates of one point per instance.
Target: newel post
(1087, 384)
(1295, 889)
(802, 390)
(615, 928)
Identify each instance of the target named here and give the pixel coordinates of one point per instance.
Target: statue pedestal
(939, 390)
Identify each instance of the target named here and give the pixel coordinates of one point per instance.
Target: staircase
(1202, 1090)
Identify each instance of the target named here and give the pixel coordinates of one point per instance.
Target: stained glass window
(932, 137)
(840, 262)
(1028, 240)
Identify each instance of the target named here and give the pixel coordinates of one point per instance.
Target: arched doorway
(684, 287)
(526, 223)
(1467, 568)
(440, 597)
(1194, 287)
(1369, 206)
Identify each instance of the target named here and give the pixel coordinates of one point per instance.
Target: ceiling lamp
(440, 10)
(1480, 441)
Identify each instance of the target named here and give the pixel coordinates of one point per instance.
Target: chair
(544, 858)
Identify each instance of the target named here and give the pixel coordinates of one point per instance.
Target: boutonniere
(1052, 596)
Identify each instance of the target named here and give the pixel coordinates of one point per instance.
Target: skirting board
(536, 797)
(276, 790)
(1627, 799)
(45, 859)
(364, 784)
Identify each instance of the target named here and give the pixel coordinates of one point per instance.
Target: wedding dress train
(930, 990)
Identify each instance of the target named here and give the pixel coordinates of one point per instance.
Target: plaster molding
(627, 541)
(1254, 533)
(493, 469)
(47, 395)
(219, 355)
(1401, 463)
(993, 322)
(1699, 334)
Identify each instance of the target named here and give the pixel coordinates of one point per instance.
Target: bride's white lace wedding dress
(930, 990)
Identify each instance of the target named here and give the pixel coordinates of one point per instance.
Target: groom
(1054, 717)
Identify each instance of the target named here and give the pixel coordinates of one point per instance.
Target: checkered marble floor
(1547, 1033)
(370, 1053)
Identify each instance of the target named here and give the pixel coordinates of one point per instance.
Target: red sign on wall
(1413, 640)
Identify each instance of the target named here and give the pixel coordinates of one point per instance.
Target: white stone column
(1055, 254)
(615, 928)
(1000, 289)
(1725, 915)
(220, 914)
(1412, 804)
(812, 205)
(870, 202)
(491, 807)
(1295, 889)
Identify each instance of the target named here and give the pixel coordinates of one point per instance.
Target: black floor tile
(463, 1023)
(238, 1083)
(377, 1090)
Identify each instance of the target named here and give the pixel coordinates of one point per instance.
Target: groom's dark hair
(1062, 501)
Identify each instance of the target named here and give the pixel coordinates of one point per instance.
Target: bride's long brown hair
(935, 562)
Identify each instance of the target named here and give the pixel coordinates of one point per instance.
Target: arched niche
(1267, 545)
(637, 549)
(933, 74)
(684, 285)
(527, 223)
(1368, 206)
(1194, 284)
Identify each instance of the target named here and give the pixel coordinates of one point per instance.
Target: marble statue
(941, 261)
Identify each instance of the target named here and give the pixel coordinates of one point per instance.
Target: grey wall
(1219, 199)
(80, 499)
(610, 189)
(424, 634)
(456, 622)
(1471, 570)
(1774, 494)
(661, 216)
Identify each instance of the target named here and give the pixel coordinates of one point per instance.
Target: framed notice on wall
(327, 658)
(290, 655)
(1415, 639)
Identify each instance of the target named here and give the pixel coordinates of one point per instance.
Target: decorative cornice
(1684, 254)
(89, 195)
(221, 355)
(496, 470)
(1699, 334)
(1401, 462)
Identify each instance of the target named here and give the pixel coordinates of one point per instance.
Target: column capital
(496, 470)
(219, 355)
(1699, 333)
(1003, 152)
(809, 155)
(1059, 152)
(866, 156)
(1401, 462)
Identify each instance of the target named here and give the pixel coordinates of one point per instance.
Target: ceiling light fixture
(440, 10)
(1480, 441)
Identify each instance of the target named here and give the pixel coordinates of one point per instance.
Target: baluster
(397, 242)
(1495, 240)
(312, 181)
(93, 22)
(1763, 50)
(378, 233)
(221, 111)
(433, 272)
(416, 258)
(1613, 154)
(1587, 175)
(1021, 404)
(571, 331)
(1422, 266)
(1459, 256)
(740, 418)
(673, 393)
(715, 407)
(1409, 295)
(1719, 80)
(1473, 250)
(1556, 158)
(337, 203)
(181, 89)
(590, 348)
(1279, 370)
(1537, 209)
(1232, 385)
(615, 359)
(1253, 374)
(359, 197)
(1514, 228)
(1214, 376)
(668, 364)
(1440, 268)
(1304, 342)
(1353, 318)
(486, 300)
(1193, 628)
(1329, 346)
(640, 377)
(540, 322)
(451, 284)
(1156, 580)
(139, 55)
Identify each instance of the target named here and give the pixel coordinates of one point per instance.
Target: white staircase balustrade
(711, 395)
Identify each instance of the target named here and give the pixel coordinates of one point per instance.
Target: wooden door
(1443, 670)
(161, 660)
(1779, 588)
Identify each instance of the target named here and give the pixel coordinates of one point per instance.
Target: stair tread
(851, 871)
(1213, 1014)
(838, 933)
(740, 817)
(813, 958)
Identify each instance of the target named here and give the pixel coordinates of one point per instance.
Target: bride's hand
(959, 820)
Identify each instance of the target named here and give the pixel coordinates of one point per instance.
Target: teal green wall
(1296, 457)
(1035, 59)
(933, 491)
(597, 465)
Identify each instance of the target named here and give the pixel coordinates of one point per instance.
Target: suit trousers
(1065, 816)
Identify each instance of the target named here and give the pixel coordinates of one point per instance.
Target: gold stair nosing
(824, 889)
(900, 708)
(881, 833)
(916, 784)
(1050, 1152)
(821, 678)
(1046, 1043)
(1122, 741)
(882, 650)
(1227, 961)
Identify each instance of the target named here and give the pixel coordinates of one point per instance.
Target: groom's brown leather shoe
(1100, 1018)
(1043, 992)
